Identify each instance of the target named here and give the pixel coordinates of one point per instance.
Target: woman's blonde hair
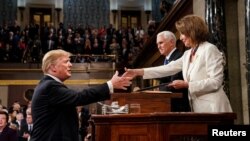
(194, 27)
(51, 57)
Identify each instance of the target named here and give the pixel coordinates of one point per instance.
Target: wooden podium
(150, 101)
(166, 126)
(155, 122)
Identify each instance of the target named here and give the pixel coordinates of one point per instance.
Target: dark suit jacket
(24, 129)
(54, 109)
(180, 104)
(8, 134)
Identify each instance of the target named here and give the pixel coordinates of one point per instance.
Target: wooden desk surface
(168, 116)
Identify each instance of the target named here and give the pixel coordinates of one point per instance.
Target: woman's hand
(133, 72)
(179, 84)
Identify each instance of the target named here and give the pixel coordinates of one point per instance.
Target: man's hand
(120, 82)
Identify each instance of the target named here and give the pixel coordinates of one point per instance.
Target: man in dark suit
(54, 105)
(166, 43)
(26, 129)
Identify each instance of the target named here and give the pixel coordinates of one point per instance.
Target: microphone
(152, 87)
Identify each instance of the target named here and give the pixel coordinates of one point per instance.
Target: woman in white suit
(202, 67)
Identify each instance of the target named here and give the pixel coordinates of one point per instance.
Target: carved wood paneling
(149, 55)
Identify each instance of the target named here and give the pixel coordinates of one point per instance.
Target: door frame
(41, 12)
(129, 14)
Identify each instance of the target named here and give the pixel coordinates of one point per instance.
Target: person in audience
(18, 121)
(151, 27)
(54, 105)
(16, 107)
(115, 49)
(26, 129)
(84, 116)
(12, 118)
(6, 133)
(202, 67)
(28, 111)
(166, 43)
(31, 49)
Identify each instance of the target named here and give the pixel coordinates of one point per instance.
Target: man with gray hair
(166, 43)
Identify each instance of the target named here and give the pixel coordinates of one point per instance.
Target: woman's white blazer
(204, 76)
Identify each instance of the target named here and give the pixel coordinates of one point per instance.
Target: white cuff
(110, 85)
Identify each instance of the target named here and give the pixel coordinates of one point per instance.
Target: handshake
(131, 73)
(121, 82)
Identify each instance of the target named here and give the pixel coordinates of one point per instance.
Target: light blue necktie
(166, 61)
